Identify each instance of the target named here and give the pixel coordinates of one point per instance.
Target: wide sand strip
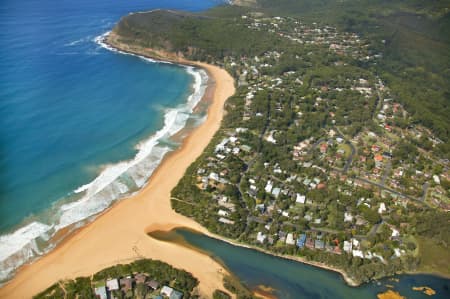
(119, 235)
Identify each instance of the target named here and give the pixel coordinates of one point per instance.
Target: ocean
(80, 125)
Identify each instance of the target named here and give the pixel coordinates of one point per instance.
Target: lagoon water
(294, 280)
(74, 115)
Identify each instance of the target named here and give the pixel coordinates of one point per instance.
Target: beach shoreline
(118, 235)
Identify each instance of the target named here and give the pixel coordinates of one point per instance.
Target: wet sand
(119, 235)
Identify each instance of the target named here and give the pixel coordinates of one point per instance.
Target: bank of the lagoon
(81, 126)
(291, 279)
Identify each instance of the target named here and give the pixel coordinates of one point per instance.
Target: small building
(300, 198)
(436, 179)
(348, 217)
(268, 187)
(319, 244)
(222, 213)
(153, 284)
(100, 292)
(225, 220)
(347, 246)
(276, 192)
(214, 176)
(290, 239)
(358, 253)
(301, 241)
(261, 237)
(113, 284)
(176, 295)
(126, 284)
(395, 233)
(378, 160)
(167, 291)
(309, 243)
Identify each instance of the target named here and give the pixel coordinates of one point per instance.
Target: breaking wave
(115, 181)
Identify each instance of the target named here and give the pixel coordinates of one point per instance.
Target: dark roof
(140, 278)
(153, 284)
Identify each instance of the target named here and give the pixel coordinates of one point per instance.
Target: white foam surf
(114, 182)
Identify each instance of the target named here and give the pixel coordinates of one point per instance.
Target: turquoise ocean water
(80, 125)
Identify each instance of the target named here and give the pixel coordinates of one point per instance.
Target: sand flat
(119, 234)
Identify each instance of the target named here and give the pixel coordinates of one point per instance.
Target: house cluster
(326, 190)
(126, 287)
(310, 240)
(216, 172)
(342, 43)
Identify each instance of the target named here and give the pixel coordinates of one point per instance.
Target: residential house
(301, 241)
(167, 291)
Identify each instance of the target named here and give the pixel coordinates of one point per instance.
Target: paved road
(387, 189)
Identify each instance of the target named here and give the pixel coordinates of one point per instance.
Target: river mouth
(269, 276)
(175, 236)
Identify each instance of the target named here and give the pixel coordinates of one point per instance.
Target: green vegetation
(235, 286)
(325, 151)
(218, 294)
(434, 258)
(164, 274)
(414, 37)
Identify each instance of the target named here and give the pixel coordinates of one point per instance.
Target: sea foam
(114, 182)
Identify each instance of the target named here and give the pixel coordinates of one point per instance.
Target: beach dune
(119, 235)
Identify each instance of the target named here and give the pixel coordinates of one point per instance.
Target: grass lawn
(434, 258)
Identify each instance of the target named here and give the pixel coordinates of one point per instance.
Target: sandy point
(120, 234)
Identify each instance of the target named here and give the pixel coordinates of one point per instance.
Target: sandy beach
(119, 234)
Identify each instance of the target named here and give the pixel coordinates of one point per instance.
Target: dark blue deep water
(69, 109)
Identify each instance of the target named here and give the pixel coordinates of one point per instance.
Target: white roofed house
(261, 237)
(268, 187)
(113, 284)
(290, 240)
(358, 253)
(348, 217)
(222, 213)
(300, 198)
(167, 291)
(347, 246)
(221, 145)
(226, 221)
(395, 233)
(214, 176)
(276, 192)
